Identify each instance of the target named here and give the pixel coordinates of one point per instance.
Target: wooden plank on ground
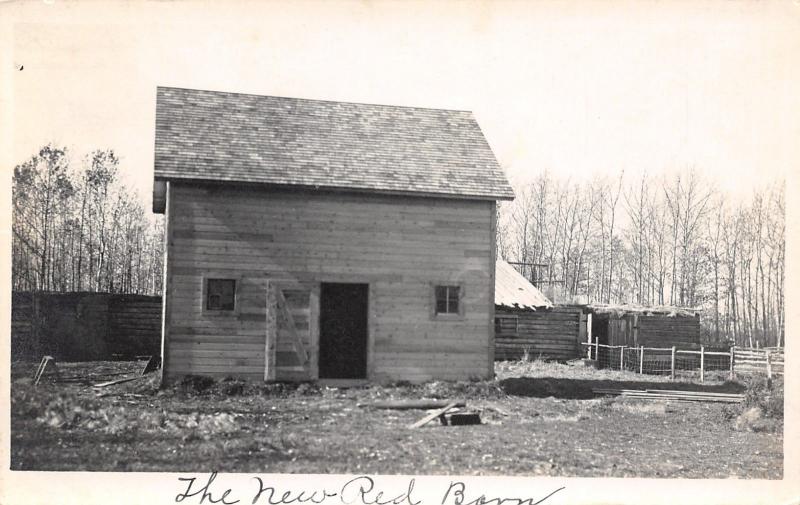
(46, 366)
(412, 404)
(433, 415)
(117, 381)
(672, 395)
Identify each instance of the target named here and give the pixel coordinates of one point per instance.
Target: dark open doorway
(343, 331)
(600, 335)
(600, 329)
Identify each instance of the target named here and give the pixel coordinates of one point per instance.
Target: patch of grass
(552, 427)
(25, 402)
(642, 407)
(232, 387)
(195, 384)
(768, 398)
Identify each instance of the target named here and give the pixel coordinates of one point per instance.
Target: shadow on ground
(581, 389)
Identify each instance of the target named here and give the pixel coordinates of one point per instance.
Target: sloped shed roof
(218, 136)
(656, 310)
(512, 290)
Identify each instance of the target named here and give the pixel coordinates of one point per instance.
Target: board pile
(672, 395)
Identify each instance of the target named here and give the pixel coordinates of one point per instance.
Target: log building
(527, 324)
(634, 326)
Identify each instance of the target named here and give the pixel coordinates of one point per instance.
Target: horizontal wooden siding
(399, 245)
(549, 334)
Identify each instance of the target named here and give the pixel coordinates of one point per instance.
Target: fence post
(672, 365)
(641, 359)
(621, 357)
(702, 363)
(769, 366)
(597, 350)
(732, 356)
(589, 333)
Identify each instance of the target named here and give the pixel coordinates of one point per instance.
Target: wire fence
(673, 361)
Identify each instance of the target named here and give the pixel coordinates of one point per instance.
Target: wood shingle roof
(513, 291)
(218, 136)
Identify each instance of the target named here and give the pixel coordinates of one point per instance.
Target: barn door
(290, 332)
(343, 331)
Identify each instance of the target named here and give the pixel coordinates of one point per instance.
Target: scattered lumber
(672, 395)
(433, 415)
(153, 363)
(117, 381)
(684, 392)
(413, 404)
(499, 411)
(104, 394)
(46, 366)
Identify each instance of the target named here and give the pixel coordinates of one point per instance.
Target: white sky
(575, 88)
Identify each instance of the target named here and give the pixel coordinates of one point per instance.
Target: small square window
(447, 299)
(220, 294)
(506, 326)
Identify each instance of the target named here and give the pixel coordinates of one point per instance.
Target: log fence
(84, 326)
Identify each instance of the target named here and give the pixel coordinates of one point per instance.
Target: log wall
(550, 334)
(633, 330)
(134, 325)
(84, 326)
(24, 343)
(663, 331)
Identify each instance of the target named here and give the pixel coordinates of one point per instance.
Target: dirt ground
(538, 419)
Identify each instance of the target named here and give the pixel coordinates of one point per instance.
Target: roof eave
(334, 189)
(522, 308)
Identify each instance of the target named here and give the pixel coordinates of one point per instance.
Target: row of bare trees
(78, 228)
(667, 240)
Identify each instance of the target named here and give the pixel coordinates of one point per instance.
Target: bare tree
(65, 221)
(686, 245)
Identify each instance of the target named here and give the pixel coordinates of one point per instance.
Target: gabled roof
(513, 291)
(217, 136)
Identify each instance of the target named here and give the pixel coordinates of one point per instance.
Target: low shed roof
(219, 136)
(512, 290)
(657, 310)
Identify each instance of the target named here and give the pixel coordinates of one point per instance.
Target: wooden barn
(634, 326)
(313, 239)
(528, 324)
